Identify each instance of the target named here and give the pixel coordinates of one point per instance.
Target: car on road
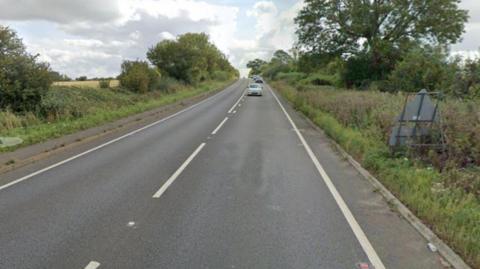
(255, 89)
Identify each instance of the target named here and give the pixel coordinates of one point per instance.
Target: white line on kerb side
(238, 101)
(178, 172)
(219, 126)
(357, 230)
(92, 265)
(105, 144)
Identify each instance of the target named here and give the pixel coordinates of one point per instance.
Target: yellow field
(90, 83)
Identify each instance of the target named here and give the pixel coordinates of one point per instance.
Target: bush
(168, 85)
(356, 71)
(104, 84)
(423, 69)
(138, 76)
(221, 75)
(23, 80)
(319, 79)
(291, 77)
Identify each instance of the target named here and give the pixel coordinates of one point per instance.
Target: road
(233, 182)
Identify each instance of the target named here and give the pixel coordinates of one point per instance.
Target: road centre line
(92, 265)
(238, 101)
(357, 230)
(177, 173)
(38, 172)
(219, 126)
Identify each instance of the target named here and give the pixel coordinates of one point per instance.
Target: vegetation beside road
(447, 200)
(70, 109)
(349, 73)
(35, 110)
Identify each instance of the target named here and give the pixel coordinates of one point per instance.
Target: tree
(190, 58)
(427, 68)
(282, 57)
(56, 76)
(23, 80)
(138, 76)
(377, 27)
(256, 66)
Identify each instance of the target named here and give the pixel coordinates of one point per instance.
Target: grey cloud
(61, 11)
(137, 35)
(101, 47)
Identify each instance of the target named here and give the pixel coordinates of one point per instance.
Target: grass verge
(450, 211)
(76, 109)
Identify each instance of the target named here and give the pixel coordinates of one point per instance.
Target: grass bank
(65, 110)
(448, 199)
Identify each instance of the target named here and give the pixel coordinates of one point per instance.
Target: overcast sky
(92, 37)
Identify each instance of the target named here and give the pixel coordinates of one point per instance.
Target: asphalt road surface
(233, 182)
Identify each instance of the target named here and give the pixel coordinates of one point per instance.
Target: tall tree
(375, 26)
(282, 57)
(191, 58)
(255, 66)
(23, 80)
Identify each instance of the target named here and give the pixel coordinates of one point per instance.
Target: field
(444, 191)
(85, 84)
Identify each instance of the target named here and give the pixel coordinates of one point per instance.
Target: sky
(92, 37)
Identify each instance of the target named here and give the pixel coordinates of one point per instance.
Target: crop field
(86, 84)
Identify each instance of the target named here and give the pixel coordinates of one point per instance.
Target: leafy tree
(23, 80)
(190, 58)
(424, 68)
(82, 78)
(256, 66)
(138, 76)
(282, 57)
(378, 29)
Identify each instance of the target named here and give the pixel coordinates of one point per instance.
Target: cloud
(274, 30)
(92, 37)
(96, 39)
(60, 10)
(471, 42)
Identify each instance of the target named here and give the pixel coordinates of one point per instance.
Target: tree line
(381, 44)
(190, 58)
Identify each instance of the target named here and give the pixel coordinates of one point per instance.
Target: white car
(255, 89)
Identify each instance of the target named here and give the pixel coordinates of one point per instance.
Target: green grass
(451, 211)
(73, 109)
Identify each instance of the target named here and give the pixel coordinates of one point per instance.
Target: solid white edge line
(92, 265)
(178, 172)
(236, 103)
(357, 230)
(219, 126)
(109, 142)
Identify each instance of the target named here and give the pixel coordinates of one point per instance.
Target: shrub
(319, 79)
(104, 84)
(221, 75)
(423, 69)
(356, 71)
(138, 76)
(291, 77)
(23, 80)
(168, 85)
(271, 70)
